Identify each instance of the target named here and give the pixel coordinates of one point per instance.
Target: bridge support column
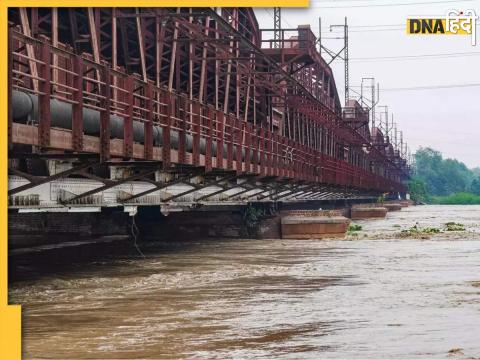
(197, 180)
(120, 172)
(56, 166)
(163, 176)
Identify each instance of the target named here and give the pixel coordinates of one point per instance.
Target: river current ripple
(374, 296)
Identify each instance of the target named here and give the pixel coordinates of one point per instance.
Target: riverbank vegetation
(443, 181)
(456, 199)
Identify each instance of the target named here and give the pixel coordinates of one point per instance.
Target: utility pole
(347, 75)
(374, 103)
(344, 50)
(402, 150)
(395, 131)
(320, 36)
(361, 89)
(374, 99)
(277, 26)
(387, 127)
(385, 112)
(411, 160)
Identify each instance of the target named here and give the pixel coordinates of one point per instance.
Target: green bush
(354, 227)
(462, 198)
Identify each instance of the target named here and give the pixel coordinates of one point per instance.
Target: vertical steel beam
(55, 44)
(148, 125)
(77, 107)
(197, 120)
(209, 141)
(229, 70)
(277, 26)
(44, 98)
(217, 71)
(278, 155)
(291, 159)
(220, 137)
(128, 120)
(261, 150)
(247, 96)
(275, 158)
(159, 44)
(166, 154)
(255, 150)
(202, 86)
(182, 156)
(239, 141)
(114, 51)
(34, 18)
(248, 144)
(269, 150)
(105, 117)
(283, 157)
(230, 138)
(94, 38)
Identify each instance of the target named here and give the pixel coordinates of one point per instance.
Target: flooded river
(374, 296)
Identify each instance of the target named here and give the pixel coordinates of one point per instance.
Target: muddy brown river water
(373, 296)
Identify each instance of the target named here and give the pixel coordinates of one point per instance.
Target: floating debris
(416, 230)
(453, 226)
(455, 351)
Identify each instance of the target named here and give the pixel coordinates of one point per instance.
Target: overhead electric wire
(282, 16)
(416, 57)
(365, 30)
(432, 87)
(374, 25)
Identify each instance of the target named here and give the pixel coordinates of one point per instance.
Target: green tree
(418, 190)
(475, 186)
(442, 176)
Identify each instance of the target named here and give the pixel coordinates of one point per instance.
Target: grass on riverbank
(456, 199)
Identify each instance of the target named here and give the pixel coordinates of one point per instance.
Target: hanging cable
(135, 232)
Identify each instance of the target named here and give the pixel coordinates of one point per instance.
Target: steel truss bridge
(180, 107)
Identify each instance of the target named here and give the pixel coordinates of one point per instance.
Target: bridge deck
(276, 128)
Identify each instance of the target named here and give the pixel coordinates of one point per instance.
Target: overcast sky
(447, 119)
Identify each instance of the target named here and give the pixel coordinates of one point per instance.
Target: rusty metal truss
(181, 88)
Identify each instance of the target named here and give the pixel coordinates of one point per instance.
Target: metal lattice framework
(188, 91)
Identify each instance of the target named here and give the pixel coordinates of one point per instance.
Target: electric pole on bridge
(375, 98)
(343, 51)
(384, 127)
(277, 26)
(347, 74)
